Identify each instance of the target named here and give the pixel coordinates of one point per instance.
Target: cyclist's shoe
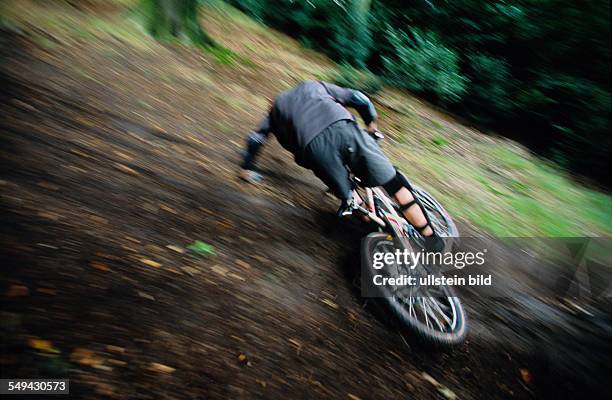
(346, 208)
(434, 243)
(250, 176)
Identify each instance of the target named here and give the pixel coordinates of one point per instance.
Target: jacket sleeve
(353, 98)
(254, 141)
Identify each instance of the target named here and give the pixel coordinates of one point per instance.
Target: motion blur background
(137, 264)
(537, 70)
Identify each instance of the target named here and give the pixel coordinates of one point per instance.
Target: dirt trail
(105, 165)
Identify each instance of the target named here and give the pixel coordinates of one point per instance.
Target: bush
(338, 28)
(422, 64)
(255, 8)
(360, 79)
(579, 112)
(491, 86)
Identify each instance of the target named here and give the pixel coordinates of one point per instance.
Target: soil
(109, 172)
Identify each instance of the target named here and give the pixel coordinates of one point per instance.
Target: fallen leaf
(262, 383)
(42, 345)
(128, 248)
(157, 367)
(98, 219)
(99, 265)
(261, 259)
(236, 276)
(191, 270)
(201, 248)
(446, 392)
(526, 376)
(219, 269)
(243, 264)
(102, 367)
(330, 303)
(353, 397)
(166, 208)
(150, 263)
(175, 248)
(245, 239)
(125, 168)
(153, 248)
(86, 357)
(115, 349)
(430, 379)
(49, 215)
(146, 296)
(123, 155)
(244, 360)
(116, 362)
(17, 291)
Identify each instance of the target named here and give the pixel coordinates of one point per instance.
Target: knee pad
(396, 183)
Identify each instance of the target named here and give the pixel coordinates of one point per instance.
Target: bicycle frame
(390, 221)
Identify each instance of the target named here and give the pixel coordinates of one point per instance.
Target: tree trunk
(166, 18)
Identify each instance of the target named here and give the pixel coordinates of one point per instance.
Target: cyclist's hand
(250, 176)
(372, 128)
(373, 131)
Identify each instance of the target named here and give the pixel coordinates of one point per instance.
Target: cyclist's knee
(396, 183)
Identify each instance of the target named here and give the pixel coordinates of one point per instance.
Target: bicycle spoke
(432, 315)
(425, 313)
(446, 318)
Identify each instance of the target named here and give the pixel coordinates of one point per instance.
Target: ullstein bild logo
(502, 267)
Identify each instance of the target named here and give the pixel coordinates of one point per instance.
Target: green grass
(439, 141)
(506, 193)
(226, 56)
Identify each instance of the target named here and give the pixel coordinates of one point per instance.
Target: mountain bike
(434, 313)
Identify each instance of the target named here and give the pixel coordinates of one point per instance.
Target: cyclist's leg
(323, 156)
(375, 169)
(412, 208)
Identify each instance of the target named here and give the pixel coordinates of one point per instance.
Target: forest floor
(118, 152)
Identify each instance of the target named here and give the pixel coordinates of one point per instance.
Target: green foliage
(338, 27)
(491, 86)
(536, 68)
(359, 79)
(421, 63)
(166, 19)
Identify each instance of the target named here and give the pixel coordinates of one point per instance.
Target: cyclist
(312, 122)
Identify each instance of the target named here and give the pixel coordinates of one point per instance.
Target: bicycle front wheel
(434, 313)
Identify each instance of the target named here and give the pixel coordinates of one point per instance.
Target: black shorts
(344, 144)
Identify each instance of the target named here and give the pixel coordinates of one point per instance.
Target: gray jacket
(301, 113)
